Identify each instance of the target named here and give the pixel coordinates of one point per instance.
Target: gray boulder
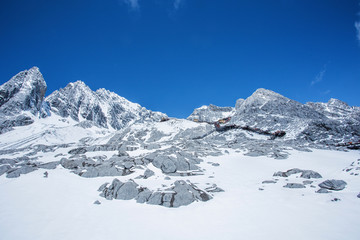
(143, 196)
(310, 174)
(49, 165)
(119, 190)
(333, 184)
(127, 191)
(323, 190)
(165, 163)
(155, 198)
(148, 173)
(78, 151)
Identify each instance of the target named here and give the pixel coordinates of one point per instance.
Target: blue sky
(176, 55)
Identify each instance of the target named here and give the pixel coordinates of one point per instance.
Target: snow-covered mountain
(101, 108)
(81, 147)
(328, 123)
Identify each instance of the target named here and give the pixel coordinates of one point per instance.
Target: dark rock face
(23, 92)
(333, 184)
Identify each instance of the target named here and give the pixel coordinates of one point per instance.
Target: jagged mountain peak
(337, 102)
(101, 107)
(210, 113)
(266, 95)
(24, 91)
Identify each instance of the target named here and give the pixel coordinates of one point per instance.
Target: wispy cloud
(177, 4)
(326, 92)
(357, 26)
(319, 77)
(133, 4)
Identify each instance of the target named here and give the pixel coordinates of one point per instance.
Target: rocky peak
(23, 92)
(337, 103)
(210, 113)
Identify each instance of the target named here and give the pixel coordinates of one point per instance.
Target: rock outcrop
(181, 194)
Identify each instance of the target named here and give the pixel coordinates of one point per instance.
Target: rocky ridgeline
(311, 122)
(101, 108)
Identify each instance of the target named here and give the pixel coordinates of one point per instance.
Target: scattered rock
(46, 174)
(307, 182)
(310, 174)
(97, 202)
(333, 184)
(304, 173)
(323, 190)
(49, 165)
(215, 164)
(358, 195)
(214, 188)
(127, 191)
(294, 185)
(148, 173)
(268, 181)
(77, 151)
(336, 200)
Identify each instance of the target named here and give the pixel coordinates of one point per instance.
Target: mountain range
(100, 134)
(270, 160)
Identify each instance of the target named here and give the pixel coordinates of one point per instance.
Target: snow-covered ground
(61, 206)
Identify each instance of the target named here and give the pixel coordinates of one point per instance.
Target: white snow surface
(61, 206)
(49, 131)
